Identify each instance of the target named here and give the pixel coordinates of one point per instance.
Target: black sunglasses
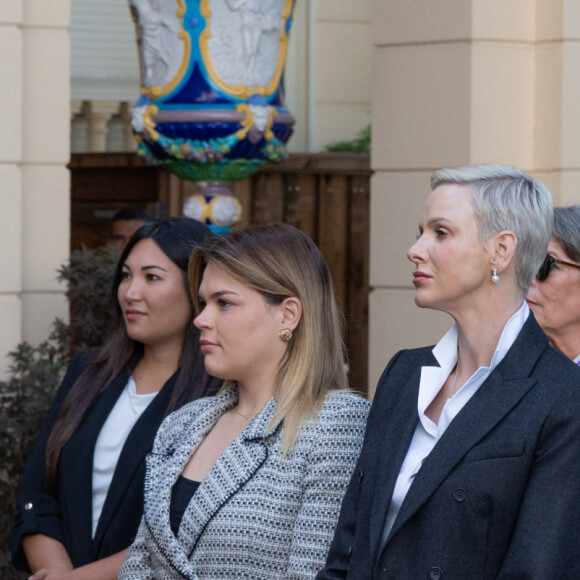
(548, 265)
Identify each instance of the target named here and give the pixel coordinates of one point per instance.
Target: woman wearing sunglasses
(554, 295)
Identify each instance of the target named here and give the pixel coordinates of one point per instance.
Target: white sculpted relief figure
(158, 28)
(244, 43)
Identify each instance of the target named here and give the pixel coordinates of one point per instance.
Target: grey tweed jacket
(256, 514)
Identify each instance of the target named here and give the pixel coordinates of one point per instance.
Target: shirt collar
(445, 351)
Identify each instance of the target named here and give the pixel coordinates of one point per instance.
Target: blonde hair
(506, 198)
(279, 262)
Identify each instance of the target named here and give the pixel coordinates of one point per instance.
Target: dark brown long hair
(176, 237)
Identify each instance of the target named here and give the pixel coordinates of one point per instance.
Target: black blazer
(64, 512)
(499, 495)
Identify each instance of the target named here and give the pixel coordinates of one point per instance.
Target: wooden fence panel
(324, 195)
(302, 203)
(327, 197)
(268, 199)
(333, 230)
(357, 279)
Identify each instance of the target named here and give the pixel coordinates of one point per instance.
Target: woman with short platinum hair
(471, 460)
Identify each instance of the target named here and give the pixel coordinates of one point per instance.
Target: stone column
(129, 141)
(79, 128)
(34, 151)
(557, 94)
(100, 113)
(457, 82)
(10, 177)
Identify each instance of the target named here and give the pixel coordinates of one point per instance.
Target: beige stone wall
(342, 58)
(34, 151)
(10, 175)
(557, 94)
(297, 77)
(457, 82)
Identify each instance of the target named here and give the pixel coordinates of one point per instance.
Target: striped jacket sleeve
(334, 451)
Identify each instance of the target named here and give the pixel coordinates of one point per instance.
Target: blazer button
(435, 573)
(460, 494)
(360, 475)
(28, 506)
(349, 551)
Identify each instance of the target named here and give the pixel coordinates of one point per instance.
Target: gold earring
(285, 334)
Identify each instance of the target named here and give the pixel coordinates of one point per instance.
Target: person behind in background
(471, 461)
(554, 295)
(80, 497)
(125, 223)
(248, 484)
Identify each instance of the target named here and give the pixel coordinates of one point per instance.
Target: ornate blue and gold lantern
(212, 97)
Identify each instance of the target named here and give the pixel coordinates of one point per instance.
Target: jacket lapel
(399, 422)
(77, 463)
(232, 470)
(496, 397)
(137, 445)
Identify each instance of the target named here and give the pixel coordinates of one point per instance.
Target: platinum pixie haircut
(506, 198)
(567, 230)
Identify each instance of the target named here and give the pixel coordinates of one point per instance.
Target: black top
(181, 495)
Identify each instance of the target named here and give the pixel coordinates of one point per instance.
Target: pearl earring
(494, 276)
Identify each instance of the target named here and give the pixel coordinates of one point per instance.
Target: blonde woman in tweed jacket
(248, 484)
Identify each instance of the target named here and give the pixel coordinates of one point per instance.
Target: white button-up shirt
(432, 380)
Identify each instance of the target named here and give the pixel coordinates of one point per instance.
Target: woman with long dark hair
(80, 497)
